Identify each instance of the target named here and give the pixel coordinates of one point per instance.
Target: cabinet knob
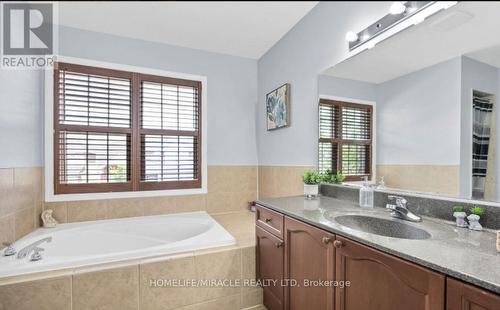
(338, 244)
(268, 220)
(326, 240)
(278, 244)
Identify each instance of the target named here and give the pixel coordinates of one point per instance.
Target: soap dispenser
(366, 195)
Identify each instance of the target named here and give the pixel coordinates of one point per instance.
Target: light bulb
(397, 7)
(365, 37)
(351, 36)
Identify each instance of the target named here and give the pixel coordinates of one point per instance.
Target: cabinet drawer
(270, 221)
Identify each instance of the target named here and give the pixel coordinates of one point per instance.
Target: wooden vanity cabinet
(461, 296)
(382, 281)
(309, 255)
(293, 250)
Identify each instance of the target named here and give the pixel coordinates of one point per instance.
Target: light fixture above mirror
(402, 14)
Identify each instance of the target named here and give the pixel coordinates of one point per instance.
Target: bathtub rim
(75, 268)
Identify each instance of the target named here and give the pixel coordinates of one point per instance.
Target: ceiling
(463, 29)
(246, 29)
(489, 56)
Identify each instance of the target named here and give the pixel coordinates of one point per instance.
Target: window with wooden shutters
(169, 133)
(124, 131)
(345, 138)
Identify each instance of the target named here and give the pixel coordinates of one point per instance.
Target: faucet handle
(36, 256)
(9, 249)
(399, 200)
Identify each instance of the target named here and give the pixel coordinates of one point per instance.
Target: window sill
(50, 197)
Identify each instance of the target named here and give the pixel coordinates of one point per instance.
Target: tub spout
(27, 249)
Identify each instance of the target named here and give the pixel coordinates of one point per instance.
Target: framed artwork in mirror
(278, 107)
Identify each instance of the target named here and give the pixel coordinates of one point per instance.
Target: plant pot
(474, 222)
(311, 191)
(460, 219)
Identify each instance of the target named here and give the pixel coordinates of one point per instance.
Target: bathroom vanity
(298, 243)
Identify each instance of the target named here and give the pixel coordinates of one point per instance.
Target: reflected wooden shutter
(123, 131)
(345, 138)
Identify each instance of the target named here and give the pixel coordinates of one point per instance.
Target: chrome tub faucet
(34, 246)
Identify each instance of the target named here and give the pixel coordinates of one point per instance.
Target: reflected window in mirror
(345, 138)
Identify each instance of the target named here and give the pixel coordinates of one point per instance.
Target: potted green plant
(311, 179)
(333, 177)
(476, 213)
(459, 214)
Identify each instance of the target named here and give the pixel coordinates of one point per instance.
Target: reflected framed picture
(278, 107)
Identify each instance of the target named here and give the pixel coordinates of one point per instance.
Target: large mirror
(425, 120)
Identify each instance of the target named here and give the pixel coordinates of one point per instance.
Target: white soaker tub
(90, 243)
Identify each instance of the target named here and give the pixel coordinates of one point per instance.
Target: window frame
(133, 188)
(346, 102)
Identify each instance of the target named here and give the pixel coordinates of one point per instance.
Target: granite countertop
(458, 252)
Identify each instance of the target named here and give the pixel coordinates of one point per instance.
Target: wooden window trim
(339, 141)
(135, 132)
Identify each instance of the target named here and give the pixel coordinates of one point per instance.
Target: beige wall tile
(225, 265)
(23, 198)
(190, 203)
(107, 290)
(248, 263)
(218, 202)
(243, 199)
(251, 297)
(91, 210)
(232, 178)
(60, 210)
(217, 179)
(24, 222)
(6, 178)
(47, 294)
(7, 229)
(422, 178)
(241, 225)
(281, 181)
(37, 215)
(31, 176)
(167, 297)
(7, 204)
(225, 303)
(159, 205)
(120, 208)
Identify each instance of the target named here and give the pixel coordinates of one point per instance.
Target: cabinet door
(309, 256)
(379, 281)
(270, 267)
(461, 296)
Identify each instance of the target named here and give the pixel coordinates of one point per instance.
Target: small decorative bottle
(381, 184)
(366, 195)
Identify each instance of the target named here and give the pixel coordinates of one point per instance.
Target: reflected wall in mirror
(435, 108)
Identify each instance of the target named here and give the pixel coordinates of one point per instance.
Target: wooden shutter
(123, 131)
(345, 138)
(170, 133)
(92, 122)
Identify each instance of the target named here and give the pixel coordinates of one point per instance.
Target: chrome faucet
(400, 209)
(34, 246)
